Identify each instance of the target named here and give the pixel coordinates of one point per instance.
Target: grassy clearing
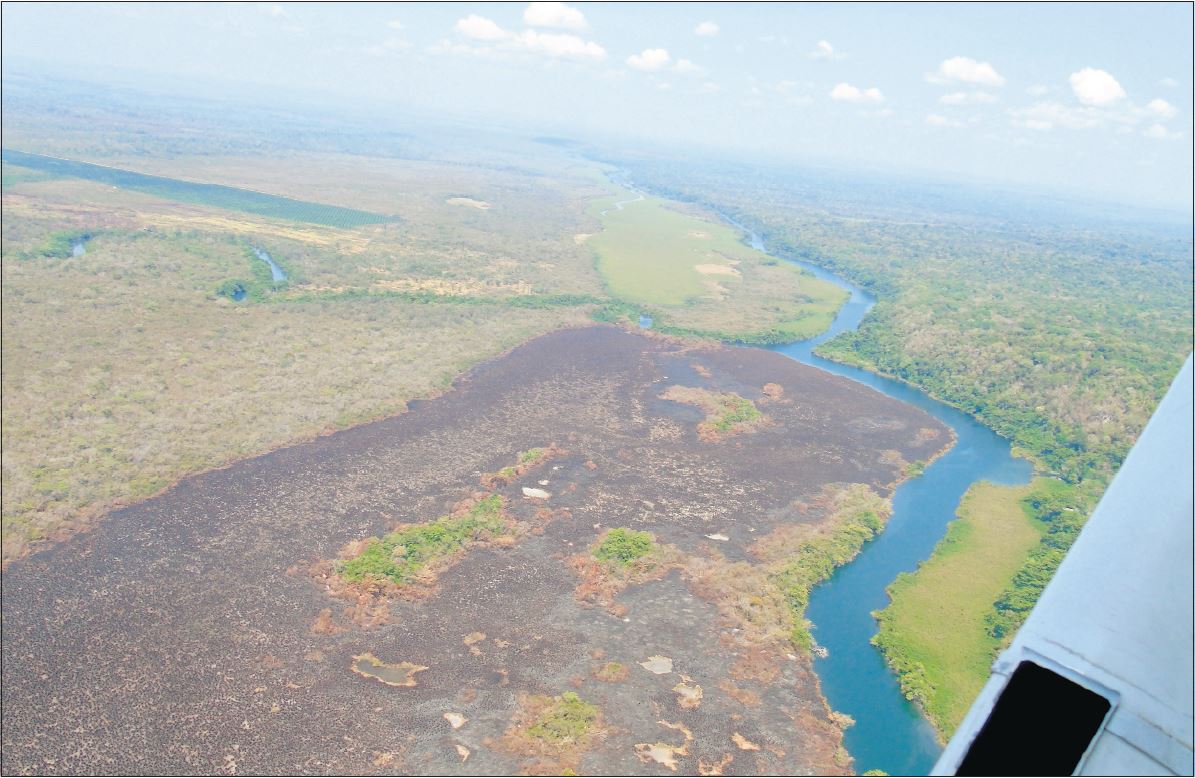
(397, 557)
(933, 632)
(694, 275)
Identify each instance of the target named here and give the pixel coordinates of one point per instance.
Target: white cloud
(561, 45)
(394, 24)
(687, 68)
(709, 87)
(937, 120)
(1037, 90)
(823, 50)
(852, 94)
(1096, 87)
(464, 49)
(706, 30)
(1170, 82)
(966, 70)
(1159, 132)
(1161, 108)
(1047, 115)
(388, 46)
(967, 98)
(649, 59)
(479, 28)
(554, 15)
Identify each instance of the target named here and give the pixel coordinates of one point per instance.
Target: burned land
(550, 567)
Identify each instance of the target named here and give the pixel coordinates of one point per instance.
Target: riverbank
(934, 632)
(889, 733)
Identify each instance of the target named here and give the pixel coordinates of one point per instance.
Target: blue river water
(889, 733)
(275, 271)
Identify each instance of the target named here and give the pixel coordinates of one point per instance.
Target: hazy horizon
(970, 94)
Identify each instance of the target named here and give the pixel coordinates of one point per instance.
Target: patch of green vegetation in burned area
(623, 546)
(399, 555)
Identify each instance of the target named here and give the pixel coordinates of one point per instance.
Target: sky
(1089, 99)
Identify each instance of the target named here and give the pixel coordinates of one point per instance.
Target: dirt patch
(399, 674)
(717, 270)
(140, 644)
(469, 202)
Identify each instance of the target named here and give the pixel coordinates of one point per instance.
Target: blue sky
(1083, 98)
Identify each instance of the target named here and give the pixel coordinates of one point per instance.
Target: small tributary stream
(275, 271)
(889, 733)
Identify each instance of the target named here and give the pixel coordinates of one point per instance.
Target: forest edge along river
(889, 732)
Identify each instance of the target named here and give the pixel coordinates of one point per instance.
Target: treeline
(1062, 508)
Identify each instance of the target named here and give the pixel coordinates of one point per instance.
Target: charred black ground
(172, 637)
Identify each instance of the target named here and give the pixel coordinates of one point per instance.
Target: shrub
(566, 720)
(624, 546)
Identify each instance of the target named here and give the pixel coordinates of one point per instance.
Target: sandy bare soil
(172, 638)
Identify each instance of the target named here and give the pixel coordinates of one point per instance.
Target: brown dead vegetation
(510, 474)
(602, 581)
(325, 625)
(744, 697)
(726, 414)
(714, 768)
(548, 756)
(611, 672)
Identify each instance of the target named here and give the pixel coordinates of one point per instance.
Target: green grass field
(934, 631)
(649, 253)
(697, 277)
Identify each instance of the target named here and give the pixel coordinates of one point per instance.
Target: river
(889, 734)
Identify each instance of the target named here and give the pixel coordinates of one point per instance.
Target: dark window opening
(1041, 724)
